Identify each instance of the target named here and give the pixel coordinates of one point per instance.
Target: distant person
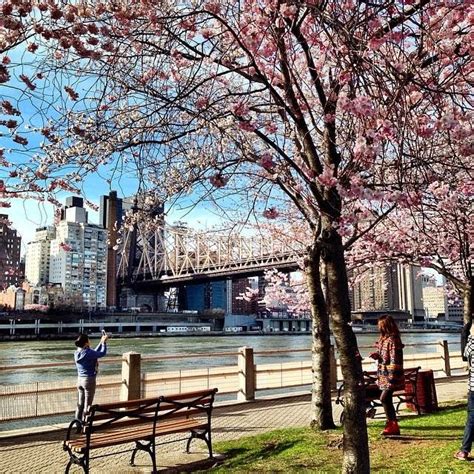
(389, 357)
(86, 364)
(463, 453)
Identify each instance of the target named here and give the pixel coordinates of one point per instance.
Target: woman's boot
(391, 429)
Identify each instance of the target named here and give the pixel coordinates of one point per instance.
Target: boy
(86, 364)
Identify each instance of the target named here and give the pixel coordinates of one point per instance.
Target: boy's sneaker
(462, 456)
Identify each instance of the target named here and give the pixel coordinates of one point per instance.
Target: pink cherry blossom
(27, 81)
(218, 181)
(266, 161)
(66, 247)
(4, 74)
(202, 102)
(270, 213)
(369, 131)
(241, 109)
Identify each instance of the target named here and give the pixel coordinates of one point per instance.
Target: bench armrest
(74, 427)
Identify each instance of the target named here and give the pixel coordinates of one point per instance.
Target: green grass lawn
(427, 444)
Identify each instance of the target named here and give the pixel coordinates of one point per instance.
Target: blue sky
(28, 214)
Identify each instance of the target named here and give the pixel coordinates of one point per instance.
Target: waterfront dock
(41, 452)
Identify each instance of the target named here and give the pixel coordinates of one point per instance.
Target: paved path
(42, 452)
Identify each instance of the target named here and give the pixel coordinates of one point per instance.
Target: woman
(86, 364)
(390, 377)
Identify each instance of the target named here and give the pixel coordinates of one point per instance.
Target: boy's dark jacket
(464, 335)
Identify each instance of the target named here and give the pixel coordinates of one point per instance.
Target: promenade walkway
(42, 452)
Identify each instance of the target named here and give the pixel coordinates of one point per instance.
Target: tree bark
(321, 404)
(355, 439)
(468, 296)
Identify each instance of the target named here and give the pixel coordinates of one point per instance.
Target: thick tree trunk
(468, 296)
(321, 404)
(355, 443)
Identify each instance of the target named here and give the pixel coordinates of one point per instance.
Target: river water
(40, 352)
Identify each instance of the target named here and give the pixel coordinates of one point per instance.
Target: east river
(41, 352)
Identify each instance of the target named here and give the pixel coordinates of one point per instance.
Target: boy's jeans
(469, 428)
(85, 394)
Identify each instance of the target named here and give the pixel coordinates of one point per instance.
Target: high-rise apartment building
(10, 243)
(455, 311)
(392, 287)
(410, 295)
(78, 258)
(37, 256)
(434, 301)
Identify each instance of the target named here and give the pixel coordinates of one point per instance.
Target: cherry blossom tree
(435, 233)
(336, 105)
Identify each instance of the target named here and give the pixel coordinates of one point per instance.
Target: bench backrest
(119, 414)
(411, 379)
(410, 374)
(186, 404)
(148, 410)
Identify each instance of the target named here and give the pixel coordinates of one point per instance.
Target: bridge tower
(111, 219)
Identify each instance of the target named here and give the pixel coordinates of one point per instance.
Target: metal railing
(38, 399)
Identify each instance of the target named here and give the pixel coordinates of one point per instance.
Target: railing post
(444, 349)
(246, 374)
(332, 368)
(36, 399)
(131, 376)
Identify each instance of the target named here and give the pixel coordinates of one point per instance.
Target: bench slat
(112, 438)
(130, 404)
(189, 395)
(162, 418)
(165, 405)
(141, 432)
(136, 403)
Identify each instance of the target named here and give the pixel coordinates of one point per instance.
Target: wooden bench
(407, 395)
(141, 422)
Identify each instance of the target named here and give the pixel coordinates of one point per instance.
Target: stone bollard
(247, 374)
(131, 376)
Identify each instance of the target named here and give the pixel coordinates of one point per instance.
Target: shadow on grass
(237, 429)
(438, 432)
(434, 428)
(270, 449)
(426, 433)
(407, 438)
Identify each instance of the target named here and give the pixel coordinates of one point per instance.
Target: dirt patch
(397, 445)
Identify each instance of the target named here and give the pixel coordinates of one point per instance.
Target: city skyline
(70, 200)
(28, 215)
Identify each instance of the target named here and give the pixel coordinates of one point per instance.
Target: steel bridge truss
(171, 254)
